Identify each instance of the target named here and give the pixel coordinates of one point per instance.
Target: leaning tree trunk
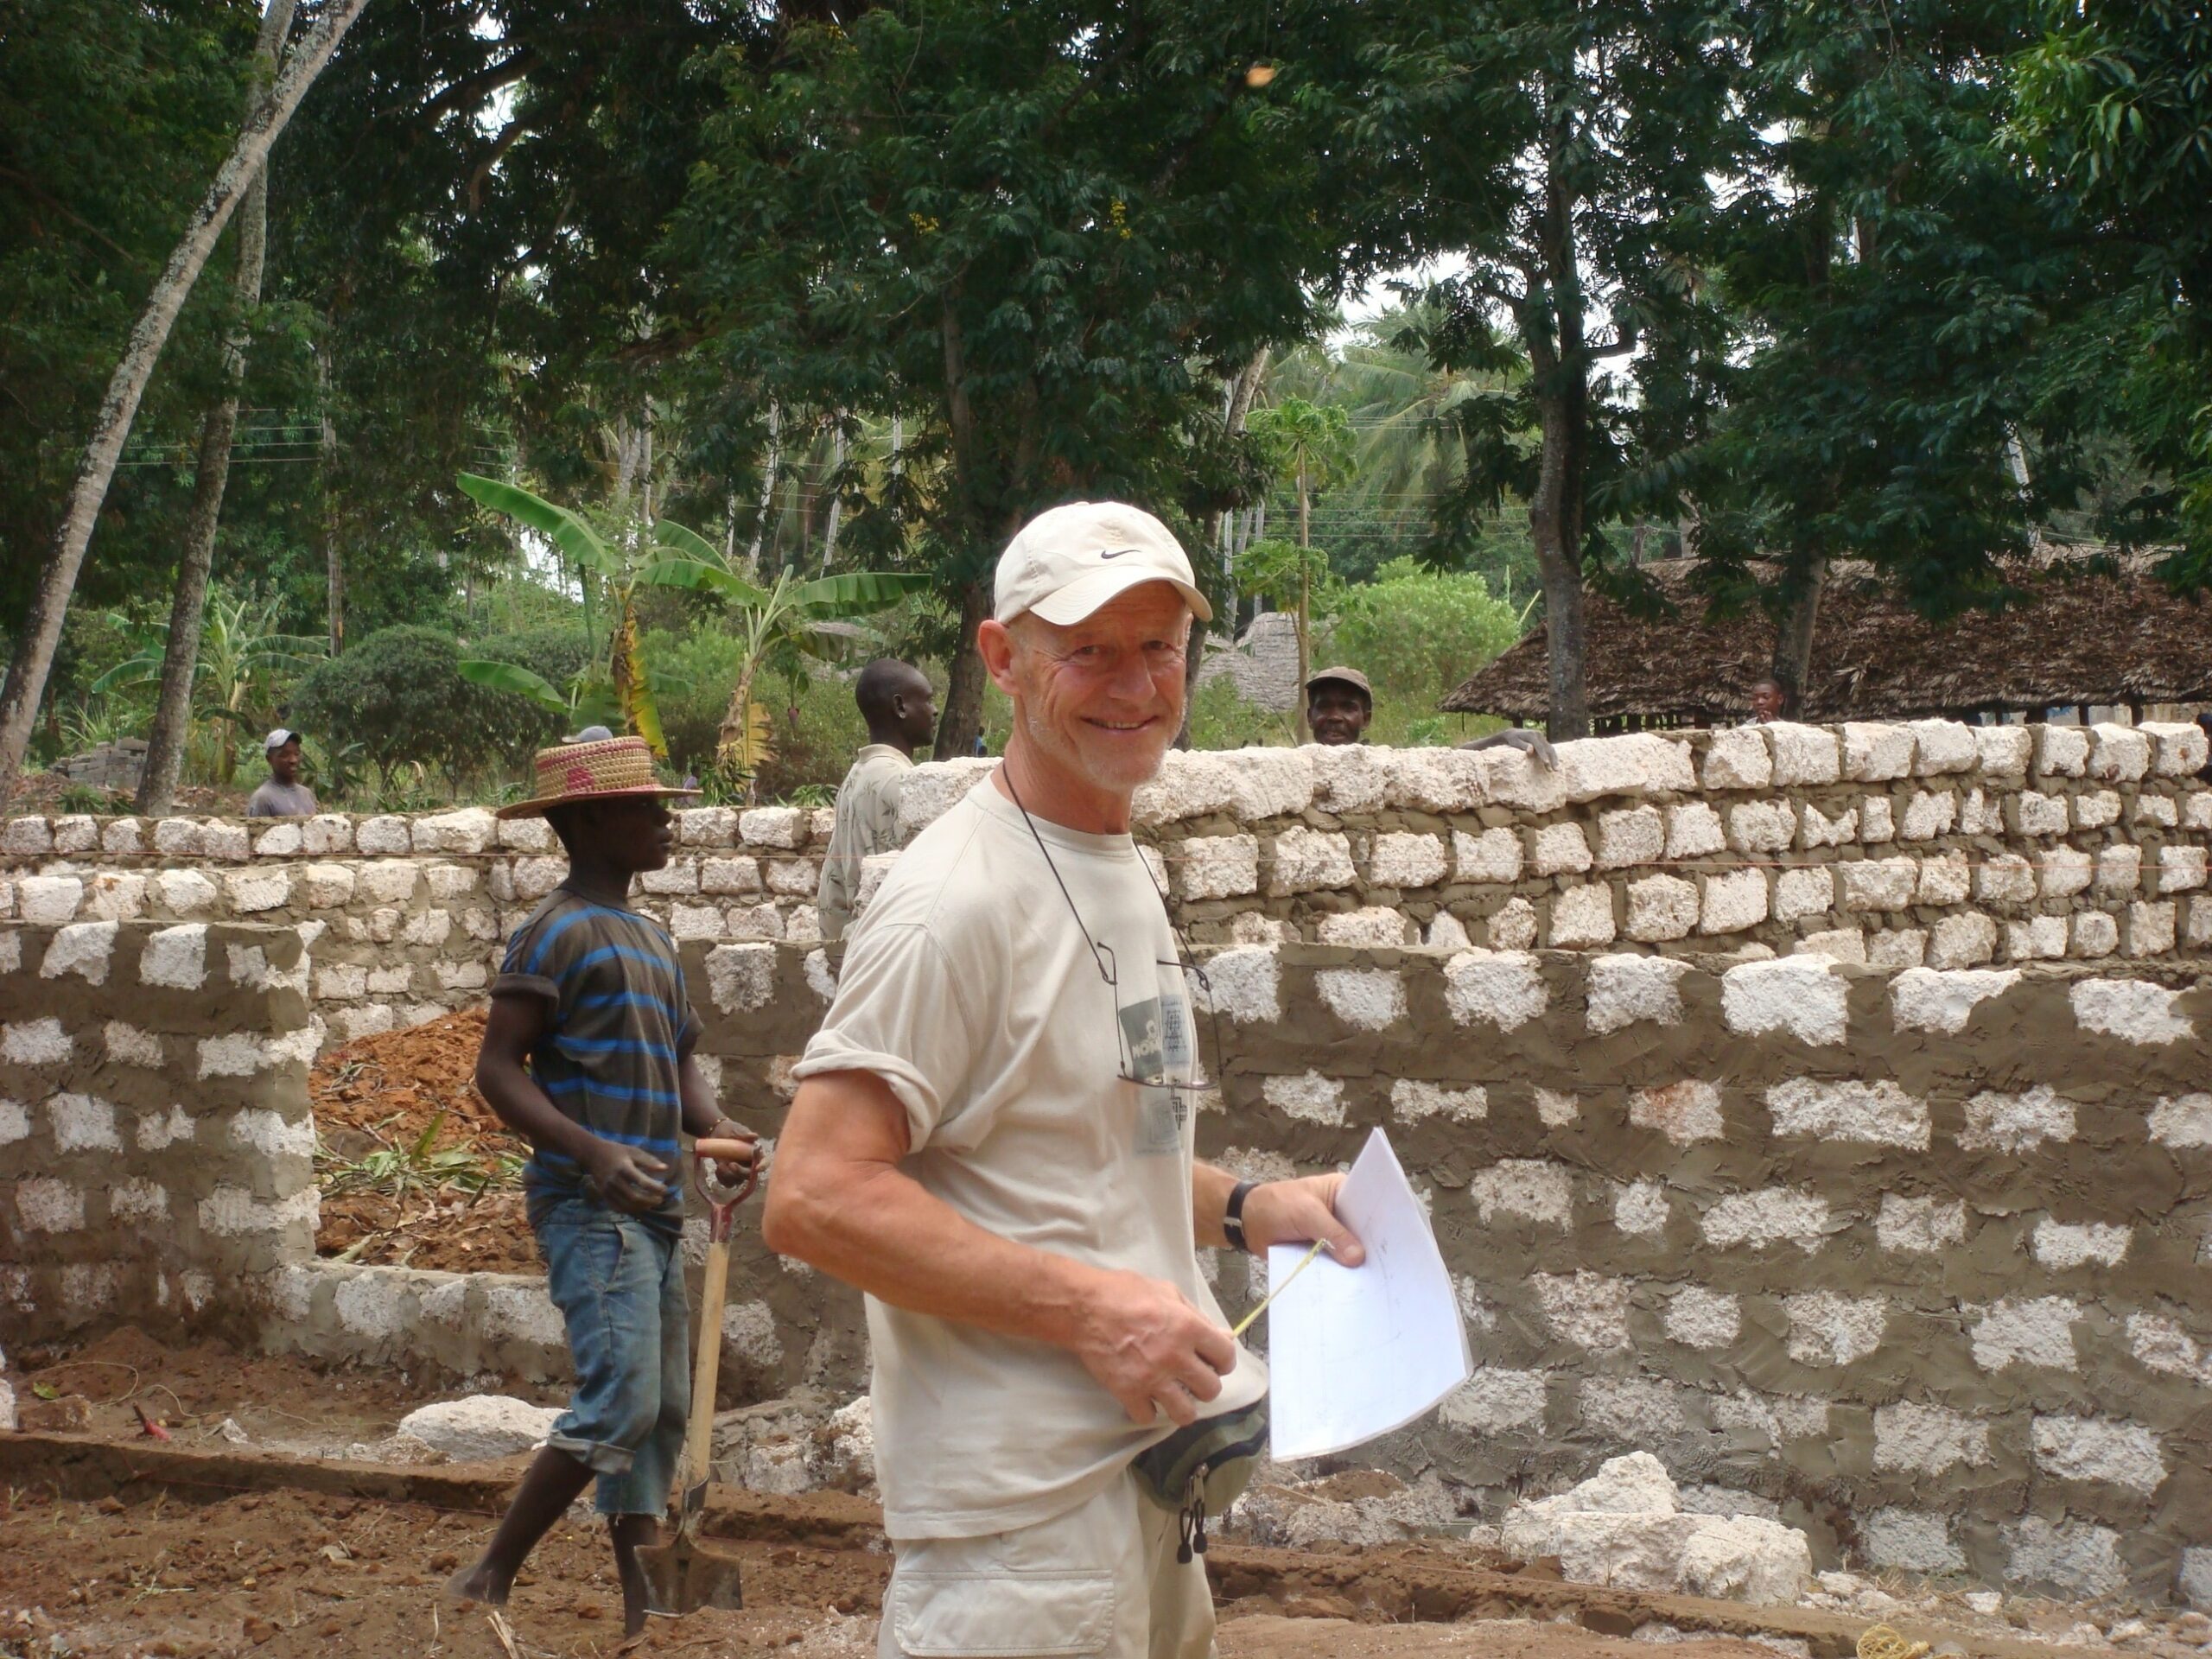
(188, 606)
(962, 723)
(41, 628)
(1793, 640)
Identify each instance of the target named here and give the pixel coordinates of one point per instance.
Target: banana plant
(242, 659)
(777, 625)
(624, 683)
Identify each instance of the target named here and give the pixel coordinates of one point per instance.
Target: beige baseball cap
(1067, 562)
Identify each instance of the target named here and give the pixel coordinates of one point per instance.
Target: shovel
(682, 1576)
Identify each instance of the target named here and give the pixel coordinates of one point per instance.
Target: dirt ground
(415, 1169)
(180, 1561)
(299, 1576)
(250, 1530)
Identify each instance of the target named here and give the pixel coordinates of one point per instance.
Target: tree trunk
(165, 742)
(333, 557)
(962, 723)
(838, 452)
(41, 628)
(1550, 321)
(767, 485)
(1554, 526)
(1793, 640)
(1305, 607)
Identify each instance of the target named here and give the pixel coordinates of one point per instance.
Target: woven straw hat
(597, 768)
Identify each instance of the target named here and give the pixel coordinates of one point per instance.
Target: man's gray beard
(1048, 741)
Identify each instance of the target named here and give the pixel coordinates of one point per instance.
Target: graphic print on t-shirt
(1157, 1035)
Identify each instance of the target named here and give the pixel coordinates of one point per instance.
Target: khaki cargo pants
(1099, 1582)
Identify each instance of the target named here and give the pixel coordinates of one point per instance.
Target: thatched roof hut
(2122, 639)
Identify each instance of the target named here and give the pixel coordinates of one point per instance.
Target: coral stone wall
(154, 1141)
(1920, 1260)
(1930, 842)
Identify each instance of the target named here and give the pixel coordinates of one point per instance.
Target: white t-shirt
(968, 987)
(867, 822)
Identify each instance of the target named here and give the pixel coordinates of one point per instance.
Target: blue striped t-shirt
(621, 1025)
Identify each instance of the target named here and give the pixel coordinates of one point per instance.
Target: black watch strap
(1232, 1217)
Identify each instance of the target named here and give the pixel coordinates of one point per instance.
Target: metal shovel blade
(682, 1577)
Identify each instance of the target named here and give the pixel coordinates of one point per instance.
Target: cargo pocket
(1001, 1614)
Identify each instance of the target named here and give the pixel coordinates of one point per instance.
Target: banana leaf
(135, 670)
(700, 576)
(634, 686)
(742, 754)
(855, 593)
(513, 678)
(564, 529)
(688, 543)
(594, 701)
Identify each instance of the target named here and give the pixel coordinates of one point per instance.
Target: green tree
(1569, 151)
(218, 426)
(2115, 108)
(113, 116)
(1043, 237)
(41, 629)
(398, 694)
(1899, 278)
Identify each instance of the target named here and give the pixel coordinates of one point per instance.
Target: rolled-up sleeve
(900, 1013)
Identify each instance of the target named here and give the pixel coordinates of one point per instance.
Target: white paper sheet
(1355, 1352)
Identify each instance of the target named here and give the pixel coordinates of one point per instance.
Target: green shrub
(1416, 636)
(398, 694)
(692, 675)
(817, 731)
(555, 655)
(1222, 720)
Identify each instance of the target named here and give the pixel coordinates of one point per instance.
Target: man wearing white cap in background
(282, 794)
(992, 1138)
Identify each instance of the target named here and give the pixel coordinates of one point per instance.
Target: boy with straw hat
(588, 1052)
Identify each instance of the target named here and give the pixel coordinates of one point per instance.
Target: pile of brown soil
(448, 1198)
(392, 1085)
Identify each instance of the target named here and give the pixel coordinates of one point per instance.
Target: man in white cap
(992, 1138)
(282, 795)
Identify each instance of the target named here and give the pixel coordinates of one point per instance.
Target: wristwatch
(1232, 1217)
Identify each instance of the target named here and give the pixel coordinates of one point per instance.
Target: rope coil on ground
(1880, 1642)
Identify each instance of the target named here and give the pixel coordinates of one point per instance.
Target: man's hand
(1151, 1350)
(1298, 1212)
(731, 1170)
(627, 1177)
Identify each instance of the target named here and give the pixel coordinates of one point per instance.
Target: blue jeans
(618, 1280)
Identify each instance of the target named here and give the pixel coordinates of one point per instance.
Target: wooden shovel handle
(698, 1442)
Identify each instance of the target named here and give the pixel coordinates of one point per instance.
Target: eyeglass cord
(1099, 952)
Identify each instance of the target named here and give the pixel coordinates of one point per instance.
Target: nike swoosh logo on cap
(1115, 552)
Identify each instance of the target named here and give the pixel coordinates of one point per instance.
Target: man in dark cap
(282, 795)
(1339, 703)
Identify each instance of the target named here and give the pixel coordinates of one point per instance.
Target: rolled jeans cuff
(595, 1455)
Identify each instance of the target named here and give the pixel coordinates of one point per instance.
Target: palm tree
(1310, 444)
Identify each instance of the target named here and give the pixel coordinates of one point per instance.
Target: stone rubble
(1625, 1527)
(480, 1425)
(809, 1441)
